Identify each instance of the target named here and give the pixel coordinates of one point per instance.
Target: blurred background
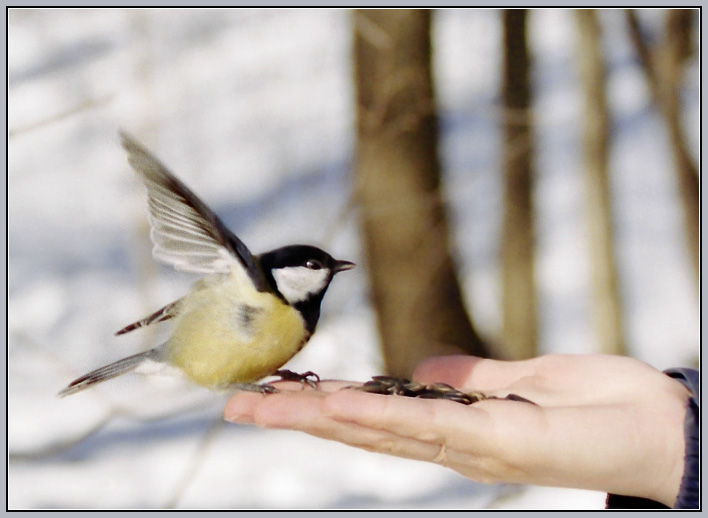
(509, 182)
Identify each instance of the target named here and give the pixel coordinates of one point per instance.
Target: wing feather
(185, 232)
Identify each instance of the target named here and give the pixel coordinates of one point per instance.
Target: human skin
(607, 423)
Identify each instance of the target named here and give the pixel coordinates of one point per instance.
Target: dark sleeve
(689, 490)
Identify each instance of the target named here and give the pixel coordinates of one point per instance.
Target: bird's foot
(304, 378)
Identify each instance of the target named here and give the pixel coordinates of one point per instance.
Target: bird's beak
(340, 266)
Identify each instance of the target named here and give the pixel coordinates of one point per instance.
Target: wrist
(659, 470)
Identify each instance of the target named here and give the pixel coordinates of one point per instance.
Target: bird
(245, 318)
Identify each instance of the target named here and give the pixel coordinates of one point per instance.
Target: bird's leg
(304, 378)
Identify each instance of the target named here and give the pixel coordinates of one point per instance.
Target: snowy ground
(254, 110)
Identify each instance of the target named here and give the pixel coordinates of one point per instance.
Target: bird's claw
(304, 378)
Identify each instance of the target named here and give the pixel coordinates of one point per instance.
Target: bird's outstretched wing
(185, 232)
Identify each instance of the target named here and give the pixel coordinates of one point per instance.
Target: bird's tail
(107, 372)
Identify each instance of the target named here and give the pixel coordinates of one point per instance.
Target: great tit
(246, 317)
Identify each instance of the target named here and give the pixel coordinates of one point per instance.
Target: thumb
(454, 370)
(473, 372)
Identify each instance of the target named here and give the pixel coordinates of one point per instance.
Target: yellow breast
(219, 339)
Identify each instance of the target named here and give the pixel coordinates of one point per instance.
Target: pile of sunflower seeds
(390, 385)
(405, 387)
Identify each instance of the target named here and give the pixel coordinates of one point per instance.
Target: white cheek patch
(298, 283)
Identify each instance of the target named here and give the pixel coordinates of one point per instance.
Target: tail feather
(107, 372)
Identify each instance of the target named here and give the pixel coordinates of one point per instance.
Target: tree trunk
(415, 291)
(662, 65)
(519, 328)
(606, 303)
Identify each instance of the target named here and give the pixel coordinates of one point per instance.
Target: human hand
(608, 423)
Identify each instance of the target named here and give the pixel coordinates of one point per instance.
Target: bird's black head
(301, 274)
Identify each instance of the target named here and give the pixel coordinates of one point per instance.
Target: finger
(279, 410)
(322, 386)
(488, 441)
(421, 419)
(241, 406)
(370, 439)
(292, 408)
(303, 411)
(483, 427)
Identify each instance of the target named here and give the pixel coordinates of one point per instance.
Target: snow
(254, 110)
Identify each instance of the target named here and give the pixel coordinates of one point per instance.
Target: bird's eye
(313, 265)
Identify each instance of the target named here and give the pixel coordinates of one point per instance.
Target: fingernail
(238, 418)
